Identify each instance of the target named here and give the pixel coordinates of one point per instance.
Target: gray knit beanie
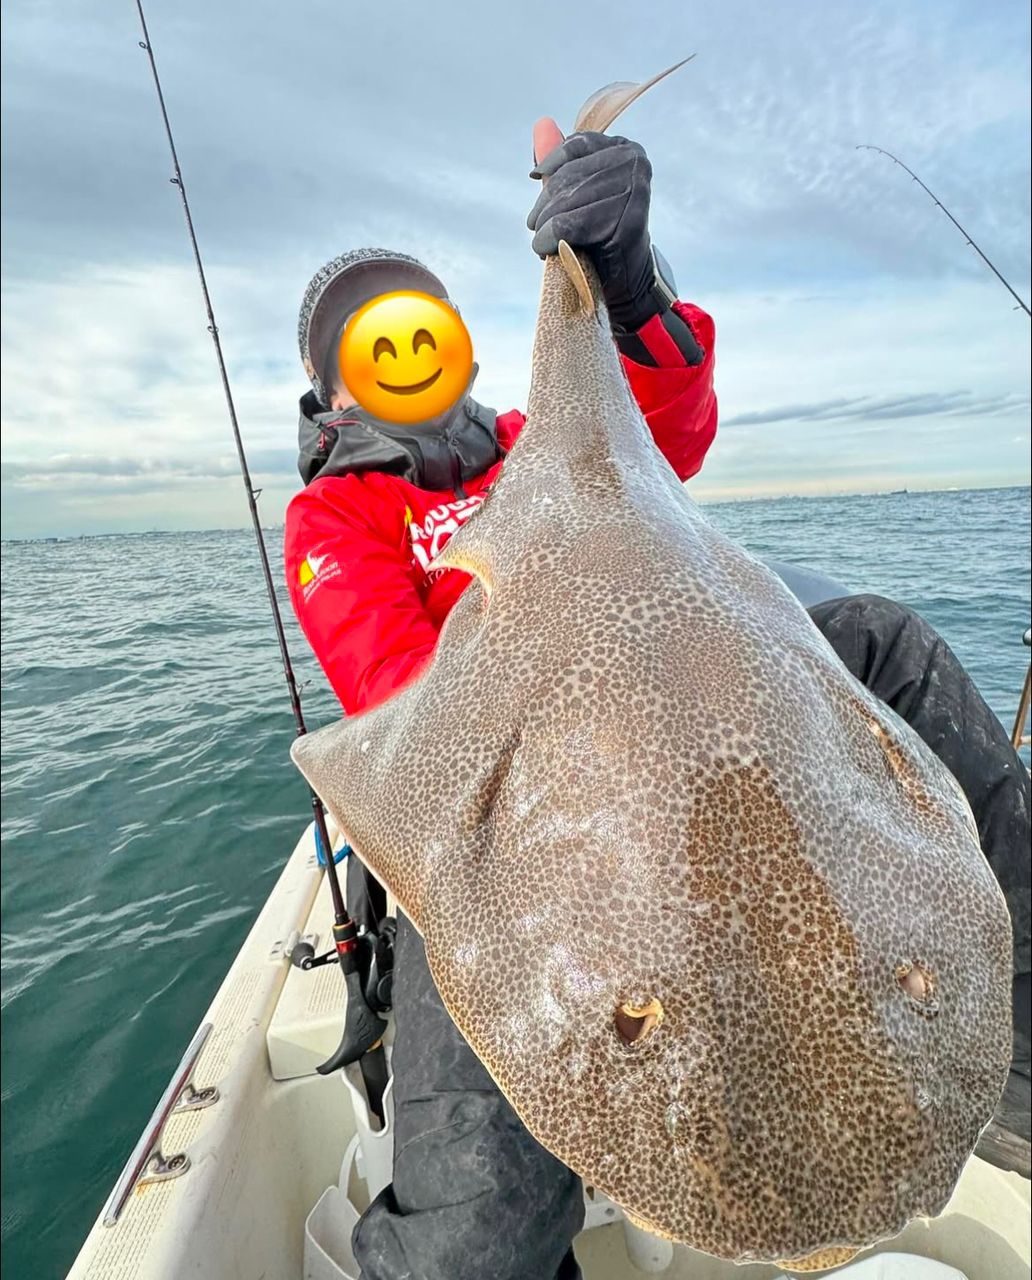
(336, 292)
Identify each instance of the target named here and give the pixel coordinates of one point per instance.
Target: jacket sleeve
(677, 398)
(352, 589)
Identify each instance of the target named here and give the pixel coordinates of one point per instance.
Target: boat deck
(263, 1155)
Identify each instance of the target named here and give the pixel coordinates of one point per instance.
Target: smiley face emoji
(406, 356)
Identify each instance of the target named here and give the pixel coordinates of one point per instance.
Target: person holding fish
(396, 456)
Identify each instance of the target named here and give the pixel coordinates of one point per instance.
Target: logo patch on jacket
(315, 570)
(431, 535)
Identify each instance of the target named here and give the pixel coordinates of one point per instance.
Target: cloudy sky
(861, 344)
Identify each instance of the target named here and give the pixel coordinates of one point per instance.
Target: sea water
(149, 802)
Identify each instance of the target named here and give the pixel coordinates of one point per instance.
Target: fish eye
(422, 338)
(383, 347)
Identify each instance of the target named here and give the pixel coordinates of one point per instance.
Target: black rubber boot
(905, 663)
(1005, 1141)
(474, 1195)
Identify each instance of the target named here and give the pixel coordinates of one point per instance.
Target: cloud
(842, 296)
(893, 408)
(101, 473)
(414, 136)
(818, 390)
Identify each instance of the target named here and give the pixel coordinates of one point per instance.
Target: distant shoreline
(834, 496)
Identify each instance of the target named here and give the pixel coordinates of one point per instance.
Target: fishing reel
(363, 945)
(370, 939)
(374, 955)
(366, 958)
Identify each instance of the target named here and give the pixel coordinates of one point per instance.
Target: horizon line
(702, 502)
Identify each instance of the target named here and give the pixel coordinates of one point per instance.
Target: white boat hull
(270, 1150)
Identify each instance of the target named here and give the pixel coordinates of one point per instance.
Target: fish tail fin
(602, 108)
(597, 114)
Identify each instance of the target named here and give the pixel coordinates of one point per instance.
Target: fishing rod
(1017, 737)
(363, 1027)
(866, 146)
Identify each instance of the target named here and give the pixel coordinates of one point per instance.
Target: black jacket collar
(441, 453)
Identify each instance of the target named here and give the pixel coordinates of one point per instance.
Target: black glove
(596, 198)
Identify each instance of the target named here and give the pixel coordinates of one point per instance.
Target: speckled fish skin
(635, 771)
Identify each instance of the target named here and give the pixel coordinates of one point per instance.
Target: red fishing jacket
(358, 546)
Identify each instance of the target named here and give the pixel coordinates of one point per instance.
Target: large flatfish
(716, 921)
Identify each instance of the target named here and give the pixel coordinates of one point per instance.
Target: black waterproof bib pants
(474, 1196)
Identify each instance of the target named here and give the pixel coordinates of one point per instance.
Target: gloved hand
(596, 197)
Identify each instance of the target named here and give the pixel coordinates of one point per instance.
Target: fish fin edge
(603, 107)
(572, 266)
